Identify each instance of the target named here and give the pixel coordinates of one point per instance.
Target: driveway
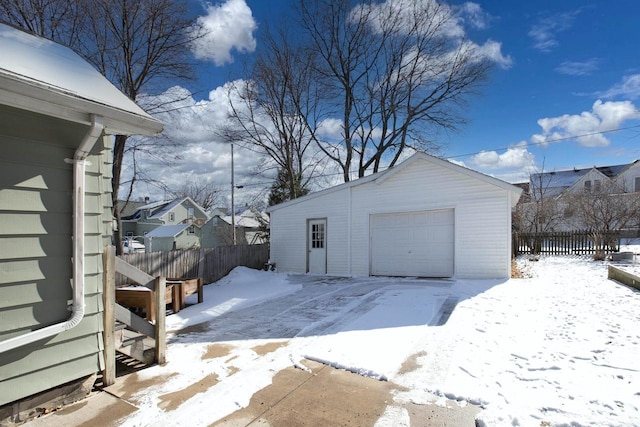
(294, 350)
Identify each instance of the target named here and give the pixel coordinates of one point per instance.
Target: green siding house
(57, 115)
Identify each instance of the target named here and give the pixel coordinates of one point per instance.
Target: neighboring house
(550, 203)
(153, 215)
(424, 217)
(252, 227)
(218, 232)
(129, 208)
(182, 224)
(625, 178)
(56, 117)
(172, 237)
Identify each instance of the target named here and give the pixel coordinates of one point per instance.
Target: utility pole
(233, 203)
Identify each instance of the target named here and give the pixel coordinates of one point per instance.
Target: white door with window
(317, 246)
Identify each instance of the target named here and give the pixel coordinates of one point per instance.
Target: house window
(587, 185)
(636, 187)
(191, 230)
(172, 216)
(190, 212)
(596, 184)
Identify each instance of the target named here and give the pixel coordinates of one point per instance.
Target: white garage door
(413, 244)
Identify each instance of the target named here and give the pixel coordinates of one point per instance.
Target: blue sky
(573, 70)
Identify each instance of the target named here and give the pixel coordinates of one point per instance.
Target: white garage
(425, 217)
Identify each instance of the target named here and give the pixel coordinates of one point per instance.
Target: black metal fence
(584, 242)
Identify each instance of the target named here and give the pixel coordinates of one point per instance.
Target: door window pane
(317, 236)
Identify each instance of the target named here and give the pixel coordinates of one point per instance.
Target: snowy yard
(559, 347)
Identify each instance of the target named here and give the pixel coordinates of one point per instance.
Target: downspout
(77, 309)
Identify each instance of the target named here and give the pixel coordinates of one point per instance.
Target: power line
(547, 141)
(528, 144)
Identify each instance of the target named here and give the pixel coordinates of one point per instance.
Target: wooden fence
(210, 264)
(565, 243)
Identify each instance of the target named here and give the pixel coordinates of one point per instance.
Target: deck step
(135, 345)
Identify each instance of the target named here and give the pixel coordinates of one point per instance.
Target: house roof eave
(39, 98)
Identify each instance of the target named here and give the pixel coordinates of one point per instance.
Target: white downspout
(77, 309)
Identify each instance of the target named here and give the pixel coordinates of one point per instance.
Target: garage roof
(380, 177)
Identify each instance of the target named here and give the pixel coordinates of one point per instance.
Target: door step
(135, 345)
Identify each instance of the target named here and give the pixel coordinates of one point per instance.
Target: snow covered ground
(559, 347)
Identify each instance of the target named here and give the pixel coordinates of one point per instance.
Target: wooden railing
(115, 312)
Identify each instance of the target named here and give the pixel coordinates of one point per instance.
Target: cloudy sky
(564, 93)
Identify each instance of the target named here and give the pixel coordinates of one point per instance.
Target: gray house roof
(168, 230)
(555, 182)
(44, 77)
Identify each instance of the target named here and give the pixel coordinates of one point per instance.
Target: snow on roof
(169, 205)
(48, 66)
(566, 178)
(176, 202)
(168, 230)
(154, 205)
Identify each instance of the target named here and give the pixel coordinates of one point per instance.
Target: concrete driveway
(267, 340)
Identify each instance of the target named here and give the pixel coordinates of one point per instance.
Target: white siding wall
(288, 241)
(627, 179)
(482, 216)
(482, 221)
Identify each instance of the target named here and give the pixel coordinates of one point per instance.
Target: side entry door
(317, 246)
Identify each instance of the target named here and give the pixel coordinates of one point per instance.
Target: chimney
(146, 200)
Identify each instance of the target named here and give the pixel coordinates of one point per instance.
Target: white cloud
(473, 14)
(578, 68)
(516, 157)
(545, 30)
(587, 126)
(629, 87)
(492, 51)
(229, 25)
(443, 19)
(331, 129)
(191, 148)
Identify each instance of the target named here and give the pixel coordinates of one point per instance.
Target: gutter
(77, 308)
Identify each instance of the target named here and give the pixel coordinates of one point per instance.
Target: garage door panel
(413, 244)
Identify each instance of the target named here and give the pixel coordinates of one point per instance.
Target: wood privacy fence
(566, 243)
(210, 264)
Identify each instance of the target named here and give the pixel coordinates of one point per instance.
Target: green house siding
(36, 251)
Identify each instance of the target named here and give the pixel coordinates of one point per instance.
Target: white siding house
(425, 217)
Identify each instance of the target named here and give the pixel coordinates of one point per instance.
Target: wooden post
(109, 300)
(161, 318)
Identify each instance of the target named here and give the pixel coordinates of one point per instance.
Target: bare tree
(604, 209)
(391, 74)
(274, 111)
(54, 19)
(136, 44)
(206, 195)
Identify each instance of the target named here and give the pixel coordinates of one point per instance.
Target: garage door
(413, 244)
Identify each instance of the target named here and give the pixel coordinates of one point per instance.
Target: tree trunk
(118, 155)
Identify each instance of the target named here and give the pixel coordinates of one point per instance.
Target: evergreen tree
(282, 189)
